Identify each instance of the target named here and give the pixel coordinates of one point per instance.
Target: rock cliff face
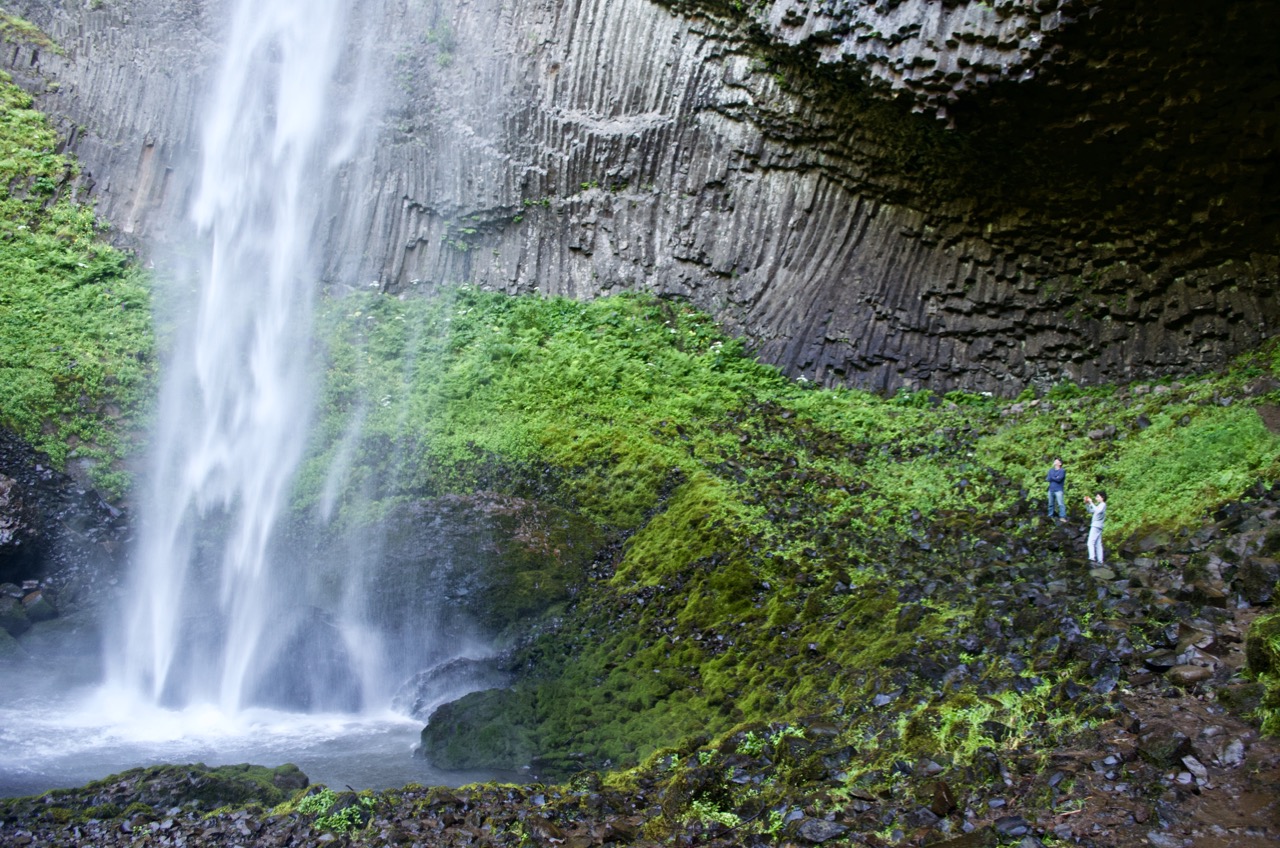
(923, 193)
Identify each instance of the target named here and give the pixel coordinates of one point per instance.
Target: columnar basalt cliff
(922, 193)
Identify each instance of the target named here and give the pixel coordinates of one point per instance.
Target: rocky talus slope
(930, 193)
(1160, 754)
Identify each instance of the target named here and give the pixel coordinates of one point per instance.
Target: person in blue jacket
(1057, 489)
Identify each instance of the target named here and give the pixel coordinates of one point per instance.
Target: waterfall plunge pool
(70, 738)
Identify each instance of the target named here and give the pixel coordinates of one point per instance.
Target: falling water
(209, 614)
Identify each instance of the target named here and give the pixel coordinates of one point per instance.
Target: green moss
(699, 519)
(745, 500)
(15, 29)
(76, 342)
(1175, 470)
(1262, 651)
(490, 729)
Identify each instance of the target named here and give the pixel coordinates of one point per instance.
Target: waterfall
(211, 617)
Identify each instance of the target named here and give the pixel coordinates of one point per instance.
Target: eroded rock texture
(926, 193)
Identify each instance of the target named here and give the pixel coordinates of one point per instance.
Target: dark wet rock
(944, 799)
(19, 530)
(1163, 745)
(1011, 827)
(819, 830)
(489, 729)
(1101, 433)
(13, 616)
(420, 696)
(39, 606)
(50, 524)
(1154, 540)
(1257, 578)
(1161, 661)
(920, 817)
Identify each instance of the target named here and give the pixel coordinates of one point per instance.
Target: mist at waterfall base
(244, 635)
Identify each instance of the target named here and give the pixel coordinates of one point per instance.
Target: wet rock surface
(61, 548)
(493, 561)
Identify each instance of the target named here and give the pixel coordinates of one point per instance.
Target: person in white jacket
(1098, 506)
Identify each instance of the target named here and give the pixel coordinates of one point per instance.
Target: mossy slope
(777, 549)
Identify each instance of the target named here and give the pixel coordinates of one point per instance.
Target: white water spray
(208, 613)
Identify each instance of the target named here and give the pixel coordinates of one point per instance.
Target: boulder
(818, 831)
(13, 617)
(448, 681)
(1163, 745)
(1262, 647)
(1187, 676)
(39, 606)
(490, 729)
(1256, 579)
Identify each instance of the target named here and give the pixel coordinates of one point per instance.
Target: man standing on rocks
(1057, 489)
(1099, 509)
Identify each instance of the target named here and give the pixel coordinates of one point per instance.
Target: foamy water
(88, 734)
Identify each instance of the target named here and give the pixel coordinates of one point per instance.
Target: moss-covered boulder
(153, 790)
(1262, 648)
(490, 729)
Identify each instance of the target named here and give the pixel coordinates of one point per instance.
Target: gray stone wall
(882, 194)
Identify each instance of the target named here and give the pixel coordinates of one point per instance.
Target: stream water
(233, 645)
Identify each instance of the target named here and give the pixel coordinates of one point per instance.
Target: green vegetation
(345, 813)
(16, 29)
(1264, 663)
(767, 528)
(75, 325)
(194, 787)
(634, 402)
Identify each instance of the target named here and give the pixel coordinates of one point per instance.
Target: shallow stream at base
(69, 739)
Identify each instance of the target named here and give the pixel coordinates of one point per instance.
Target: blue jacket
(1057, 479)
